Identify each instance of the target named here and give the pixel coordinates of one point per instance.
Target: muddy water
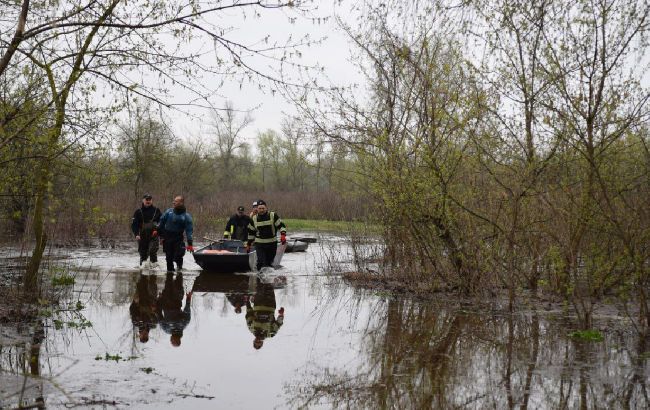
(298, 338)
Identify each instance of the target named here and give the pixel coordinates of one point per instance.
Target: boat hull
(226, 256)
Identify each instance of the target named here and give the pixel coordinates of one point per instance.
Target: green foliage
(80, 324)
(590, 335)
(63, 280)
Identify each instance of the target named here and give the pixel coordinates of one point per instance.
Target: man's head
(175, 339)
(257, 343)
(240, 210)
(147, 199)
(179, 200)
(261, 207)
(144, 334)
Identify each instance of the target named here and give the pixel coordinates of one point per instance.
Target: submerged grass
(114, 357)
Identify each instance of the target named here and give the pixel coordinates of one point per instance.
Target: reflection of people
(173, 223)
(237, 300)
(172, 318)
(237, 226)
(260, 315)
(145, 229)
(143, 306)
(263, 230)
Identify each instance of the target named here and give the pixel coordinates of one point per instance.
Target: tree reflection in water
(20, 368)
(415, 355)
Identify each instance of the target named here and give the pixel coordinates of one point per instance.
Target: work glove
(154, 234)
(283, 238)
(189, 248)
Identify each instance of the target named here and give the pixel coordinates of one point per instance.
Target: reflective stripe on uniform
(265, 240)
(255, 225)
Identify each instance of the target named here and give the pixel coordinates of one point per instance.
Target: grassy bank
(327, 225)
(215, 226)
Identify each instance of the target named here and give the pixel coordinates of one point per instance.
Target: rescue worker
(145, 229)
(253, 210)
(237, 226)
(260, 315)
(173, 223)
(263, 231)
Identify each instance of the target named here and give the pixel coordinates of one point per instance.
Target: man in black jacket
(237, 226)
(145, 229)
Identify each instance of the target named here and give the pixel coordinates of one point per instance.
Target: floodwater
(229, 346)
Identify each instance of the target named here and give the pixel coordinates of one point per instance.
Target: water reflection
(253, 293)
(143, 308)
(417, 355)
(341, 348)
(260, 314)
(173, 317)
(20, 367)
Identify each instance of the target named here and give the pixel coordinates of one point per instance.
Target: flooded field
(298, 338)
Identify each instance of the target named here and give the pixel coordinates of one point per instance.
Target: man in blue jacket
(173, 223)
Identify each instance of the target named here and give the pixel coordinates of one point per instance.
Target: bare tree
(228, 126)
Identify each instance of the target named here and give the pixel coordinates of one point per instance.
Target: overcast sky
(333, 54)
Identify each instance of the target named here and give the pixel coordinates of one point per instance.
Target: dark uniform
(262, 231)
(144, 224)
(237, 227)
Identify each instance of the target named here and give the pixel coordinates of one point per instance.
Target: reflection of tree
(636, 390)
(23, 361)
(414, 355)
(409, 362)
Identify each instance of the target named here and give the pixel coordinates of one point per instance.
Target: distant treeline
(97, 186)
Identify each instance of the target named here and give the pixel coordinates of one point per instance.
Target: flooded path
(298, 338)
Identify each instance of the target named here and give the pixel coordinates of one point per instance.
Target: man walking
(263, 230)
(237, 226)
(144, 226)
(173, 223)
